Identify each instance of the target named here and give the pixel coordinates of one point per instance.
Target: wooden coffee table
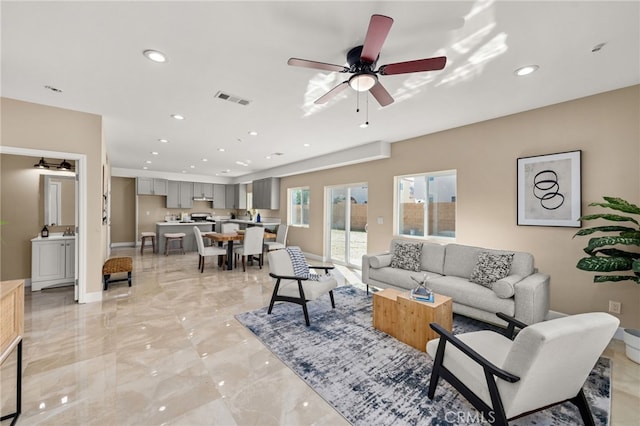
(396, 314)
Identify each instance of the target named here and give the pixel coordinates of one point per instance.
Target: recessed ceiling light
(268, 157)
(184, 171)
(148, 161)
(192, 166)
(221, 149)
(240, 163)
(177, 116)
(306, 145)
(526, 70)
(154, 153)
(253, 133)
(145, 168)
(163, 140)
(205, 160)
(155, 55)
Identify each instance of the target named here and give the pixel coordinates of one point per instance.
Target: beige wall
(123, 210)
(605, 127)
(32, 126)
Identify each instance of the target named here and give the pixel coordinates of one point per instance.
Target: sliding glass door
(347, 223)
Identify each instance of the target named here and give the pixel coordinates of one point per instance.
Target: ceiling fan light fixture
(363, 82)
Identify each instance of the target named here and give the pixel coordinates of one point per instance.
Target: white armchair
(545, 364)
(296, 289)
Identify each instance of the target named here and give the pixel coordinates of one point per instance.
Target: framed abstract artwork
(549, 190)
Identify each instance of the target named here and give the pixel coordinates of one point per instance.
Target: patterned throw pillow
(407, 256)
(490, 268)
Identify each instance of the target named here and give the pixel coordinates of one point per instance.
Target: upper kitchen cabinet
(266, 194)
(236, 196)
(203, 190)
(219, 196)
(180, 195)
(151, 186)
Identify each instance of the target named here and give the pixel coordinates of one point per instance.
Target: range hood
(202, 198)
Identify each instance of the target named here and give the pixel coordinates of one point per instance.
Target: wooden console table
(11, 331)
(408, 320)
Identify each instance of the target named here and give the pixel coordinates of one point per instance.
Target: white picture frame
(549, 190)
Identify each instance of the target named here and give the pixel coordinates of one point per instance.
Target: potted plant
(604, 256)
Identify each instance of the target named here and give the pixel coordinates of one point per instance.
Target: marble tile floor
(168, 351)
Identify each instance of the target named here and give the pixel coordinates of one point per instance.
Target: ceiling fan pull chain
(358, 102)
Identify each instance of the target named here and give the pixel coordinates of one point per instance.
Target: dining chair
(253, 238)
(205, 251)
(281, 239)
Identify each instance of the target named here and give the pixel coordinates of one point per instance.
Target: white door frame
(81, 206)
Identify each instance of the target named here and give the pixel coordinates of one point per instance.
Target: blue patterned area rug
(371, 378)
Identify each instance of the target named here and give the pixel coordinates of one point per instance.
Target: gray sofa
(523, 293)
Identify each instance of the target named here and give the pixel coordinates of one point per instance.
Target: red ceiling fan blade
(331, 93)
(380, 93)
(430, 64)
(379, 27)
(316, 65)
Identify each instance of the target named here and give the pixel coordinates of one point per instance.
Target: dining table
(229, 238)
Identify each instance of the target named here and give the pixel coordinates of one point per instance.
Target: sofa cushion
(399, 277)
(406, 255)
(460, 260)
(432, 258)
(505, 287)
(490, 267)
(466, 293)
(380, 260)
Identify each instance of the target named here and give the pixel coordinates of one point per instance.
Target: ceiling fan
(362, 63)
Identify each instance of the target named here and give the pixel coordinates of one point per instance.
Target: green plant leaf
(630, 234)
(604, 264)
(598, 242)
(611, 217)
(611, 228)
(619, 204)
(614, 252)
(636, 266)
(615, 278)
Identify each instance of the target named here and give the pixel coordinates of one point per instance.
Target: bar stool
(149, 235)
(169, 237)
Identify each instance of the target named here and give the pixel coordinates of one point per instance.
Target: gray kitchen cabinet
(180, 195)
(266, 194)
(203, 190)
(151, 186)
(236, 196)
(219, 196)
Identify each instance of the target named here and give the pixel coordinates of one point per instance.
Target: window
(298, 214)
(426, 205)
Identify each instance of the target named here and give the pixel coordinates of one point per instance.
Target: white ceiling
(92, 51)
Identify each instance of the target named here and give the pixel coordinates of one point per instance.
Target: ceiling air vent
(232, 98)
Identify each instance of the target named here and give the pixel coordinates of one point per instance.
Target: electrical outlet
(614, 307)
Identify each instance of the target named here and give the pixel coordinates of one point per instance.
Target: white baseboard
(92, 297)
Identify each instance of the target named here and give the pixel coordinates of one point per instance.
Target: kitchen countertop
(183, 223)
(251, 222)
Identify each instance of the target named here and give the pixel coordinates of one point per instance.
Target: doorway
(347, 223)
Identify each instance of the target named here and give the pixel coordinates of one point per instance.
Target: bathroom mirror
(59, 200)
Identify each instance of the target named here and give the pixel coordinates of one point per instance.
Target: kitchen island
(244, 223)
(189, 239)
